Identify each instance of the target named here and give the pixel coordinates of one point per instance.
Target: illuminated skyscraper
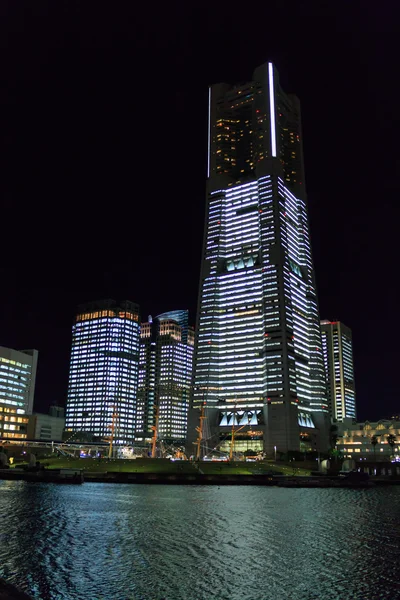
(258, 358)
(165, 376)
(104, 370)
(337, 345)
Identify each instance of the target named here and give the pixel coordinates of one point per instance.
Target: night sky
(103, 143)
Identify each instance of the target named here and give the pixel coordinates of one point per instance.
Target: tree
(374, 441)
(391, 440)
(333, 435)
(336, 454)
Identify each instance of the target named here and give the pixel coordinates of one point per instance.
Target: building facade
(102, 389)
(165, 377)
(17, 389)
(45, 427)
(57, 411)
(258, 359)
(337, 347)
(369, 440)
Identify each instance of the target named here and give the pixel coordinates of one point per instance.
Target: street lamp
(275, 452)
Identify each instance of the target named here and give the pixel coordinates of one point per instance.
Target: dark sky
(103, 161)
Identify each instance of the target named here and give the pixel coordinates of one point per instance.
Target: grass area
(289, 470)
(146, 465)
(94, 465)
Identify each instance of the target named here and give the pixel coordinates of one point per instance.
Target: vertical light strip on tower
(272, 107)
(209, 132)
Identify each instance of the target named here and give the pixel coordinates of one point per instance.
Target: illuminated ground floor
(270, 430)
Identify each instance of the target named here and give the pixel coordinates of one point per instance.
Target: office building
(337, 346)
(165, 375)
(103, 376)
(17, 389)
(258, 358)
(181, 317)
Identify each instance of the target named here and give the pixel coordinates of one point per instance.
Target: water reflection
(146, 542)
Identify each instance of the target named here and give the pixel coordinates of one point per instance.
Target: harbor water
(155, 542)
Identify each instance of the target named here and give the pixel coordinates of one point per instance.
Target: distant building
(45, 427)
(337, 347)
(103, 376)
(57, 411)
(355, 439)
(17, 389)
(165, 375)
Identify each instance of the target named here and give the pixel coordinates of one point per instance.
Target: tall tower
(258, 358)
(165, 376)
(337, 344)
(104, 370)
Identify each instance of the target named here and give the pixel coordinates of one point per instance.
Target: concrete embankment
(223, 479)
(180, 478)
(198, 478)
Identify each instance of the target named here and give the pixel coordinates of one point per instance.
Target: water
(151, 542)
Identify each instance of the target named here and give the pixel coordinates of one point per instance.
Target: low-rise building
(369, 439)
(45, 427)
(13, 423)
(17, 388)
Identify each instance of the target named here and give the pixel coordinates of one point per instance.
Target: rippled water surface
(151, 542)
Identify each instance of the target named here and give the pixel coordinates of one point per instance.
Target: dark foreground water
(148, 542)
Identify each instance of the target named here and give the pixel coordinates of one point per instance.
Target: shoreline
(235, 479)
(220, 479)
